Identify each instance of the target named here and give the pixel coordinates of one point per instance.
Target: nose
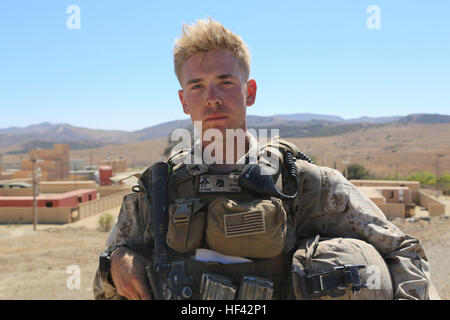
(213, 98)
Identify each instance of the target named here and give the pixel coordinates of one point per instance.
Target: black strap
(335, 281)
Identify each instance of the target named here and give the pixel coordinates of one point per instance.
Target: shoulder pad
(284, 145)
(177, 157)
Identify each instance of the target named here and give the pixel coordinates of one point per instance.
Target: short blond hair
(207, 35)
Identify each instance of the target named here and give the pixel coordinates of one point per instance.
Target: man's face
(215, 91)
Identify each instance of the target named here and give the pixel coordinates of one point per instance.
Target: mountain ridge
(295, 125)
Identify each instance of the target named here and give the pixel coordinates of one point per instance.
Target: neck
(226, 151)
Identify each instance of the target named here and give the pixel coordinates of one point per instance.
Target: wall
(414, 186)
(396, 194)
(67, 199)
(45, 215)
(65, 186)
(109, 190)
(393, 210)
(61, 215)
(54, 163)
(17, 192)
(435, 207)
(93, 207)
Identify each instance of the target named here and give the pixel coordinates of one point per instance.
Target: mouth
(217, 117)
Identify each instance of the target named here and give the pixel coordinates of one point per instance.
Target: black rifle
(167, 279)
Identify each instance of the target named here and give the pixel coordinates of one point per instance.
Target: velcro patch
(219, 183)
(242, 224)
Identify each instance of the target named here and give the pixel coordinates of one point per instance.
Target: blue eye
(197, 86)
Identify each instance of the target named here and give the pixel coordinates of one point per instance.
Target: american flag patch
(242, 224)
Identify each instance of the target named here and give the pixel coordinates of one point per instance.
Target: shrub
(424, 177)
(357, 171)
(105, 222)
(444, 180)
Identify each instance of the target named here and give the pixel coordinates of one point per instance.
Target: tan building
(398, 198)
(413, 186)
(117, 165)
(54, 163)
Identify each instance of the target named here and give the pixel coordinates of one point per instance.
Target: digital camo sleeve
(132, 230)
(331, 205)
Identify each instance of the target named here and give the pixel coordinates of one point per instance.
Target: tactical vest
(208, 209)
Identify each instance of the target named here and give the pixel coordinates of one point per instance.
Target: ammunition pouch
(238, 276)
(217, 287)
(186, 225)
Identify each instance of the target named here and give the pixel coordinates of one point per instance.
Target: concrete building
(398, 198)
(53, 163)
(117, 165)
(77, 164)
(58, 200)
(15, 184)
(105, 173)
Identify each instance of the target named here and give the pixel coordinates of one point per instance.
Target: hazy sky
(116, 71)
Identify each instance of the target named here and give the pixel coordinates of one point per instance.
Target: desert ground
(42, 264)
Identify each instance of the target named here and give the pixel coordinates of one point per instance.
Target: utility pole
(396, 170)
(346, 163)
(437, 173)
(36, 173)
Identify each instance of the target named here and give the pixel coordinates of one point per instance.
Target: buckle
(183, 211)
(335, 281)
(185, 208)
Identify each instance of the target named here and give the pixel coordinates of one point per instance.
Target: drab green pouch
(186, 225)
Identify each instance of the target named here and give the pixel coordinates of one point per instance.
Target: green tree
(444, 180)
(444, 183)
(424, 177)
(357, 171)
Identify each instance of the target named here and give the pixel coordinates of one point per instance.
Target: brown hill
(383, 150)
(392, 148)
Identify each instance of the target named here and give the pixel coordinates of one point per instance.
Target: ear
(183, 102)
(251, 92)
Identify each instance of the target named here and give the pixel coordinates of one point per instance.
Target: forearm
(131, 231)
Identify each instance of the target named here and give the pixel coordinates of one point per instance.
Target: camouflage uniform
(328, 204)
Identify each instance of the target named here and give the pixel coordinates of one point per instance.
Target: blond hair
(207, 35)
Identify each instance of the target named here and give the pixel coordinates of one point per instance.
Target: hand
(129, 274)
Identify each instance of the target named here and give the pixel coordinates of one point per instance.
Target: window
(49, 204)
(80, 199)
(90, 197)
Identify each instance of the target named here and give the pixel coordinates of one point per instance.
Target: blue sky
(116, 70)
